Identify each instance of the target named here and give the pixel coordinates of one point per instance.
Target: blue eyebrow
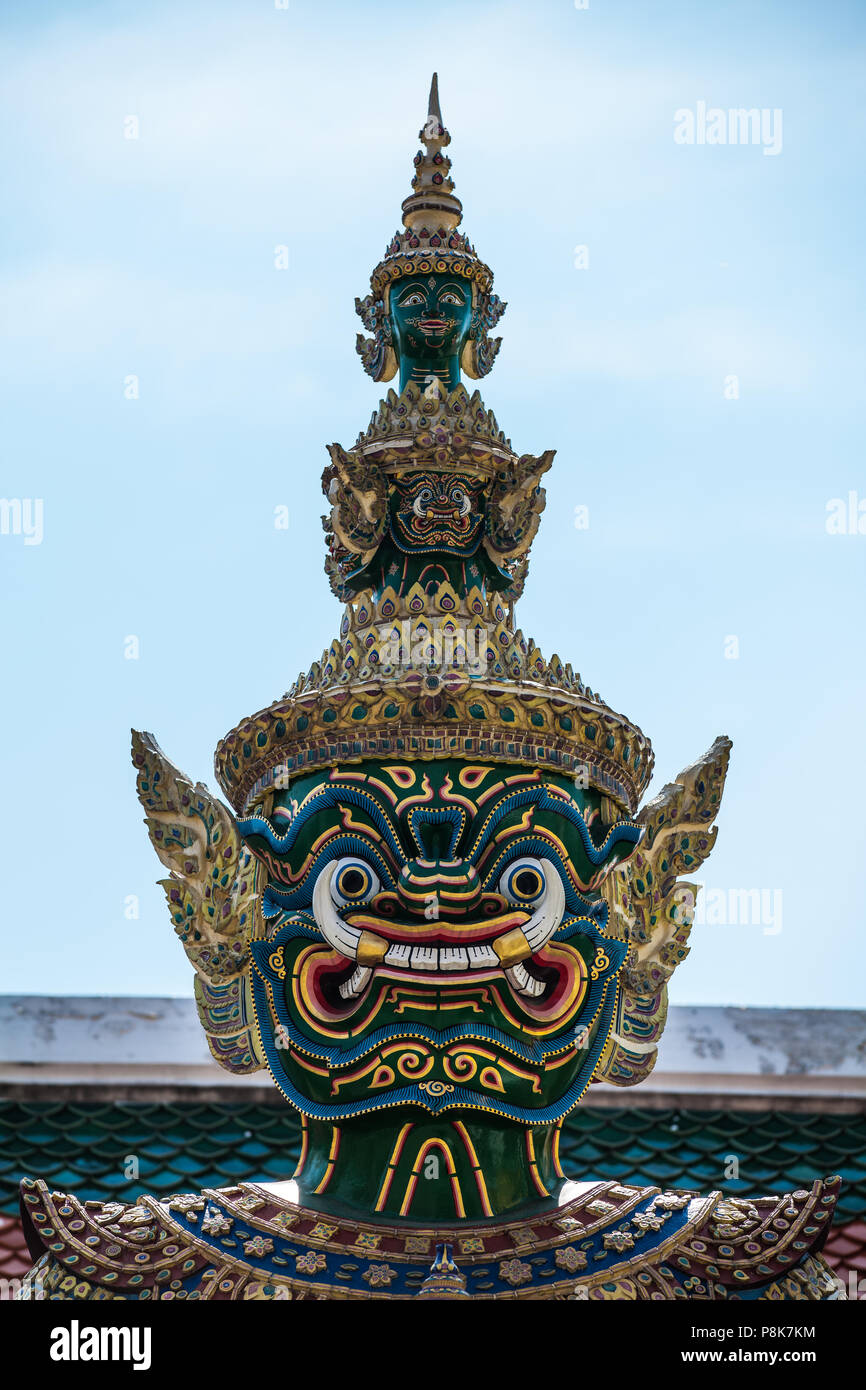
(539, 796)
(327, 796)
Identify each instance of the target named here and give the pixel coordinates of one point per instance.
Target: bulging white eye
(422, 501)
(523, 882)
(353, 883)
(449, 297)
(411, 299)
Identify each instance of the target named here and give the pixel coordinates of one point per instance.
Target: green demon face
(437, 939)
(437, 511)
(430, 316)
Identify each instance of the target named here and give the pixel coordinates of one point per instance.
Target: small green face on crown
(430, 317)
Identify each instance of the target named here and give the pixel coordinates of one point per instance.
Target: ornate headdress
(428, 661)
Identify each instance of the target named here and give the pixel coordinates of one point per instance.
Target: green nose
(451, 883)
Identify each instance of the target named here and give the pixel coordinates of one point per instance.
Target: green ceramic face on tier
(430, 317)
(430, 309)
(434, 534)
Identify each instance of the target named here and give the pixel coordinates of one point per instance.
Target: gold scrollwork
(411, 1063)
(491, 1080)
(462, 1067)
(276, 962)
(600, 964)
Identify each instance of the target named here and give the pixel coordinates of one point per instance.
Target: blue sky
(154, 257)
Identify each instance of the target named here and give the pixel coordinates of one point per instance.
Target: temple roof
(187, 1146)
(762, 1083)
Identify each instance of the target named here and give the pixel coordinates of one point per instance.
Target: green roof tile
(83, 1146)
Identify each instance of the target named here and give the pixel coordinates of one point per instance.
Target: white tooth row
(441, 957)
(351, 988)
(524, 982)
(424, 958)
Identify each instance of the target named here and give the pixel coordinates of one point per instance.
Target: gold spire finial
(432, 201)
(433, 107)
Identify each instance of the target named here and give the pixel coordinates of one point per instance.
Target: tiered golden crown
(432, 664)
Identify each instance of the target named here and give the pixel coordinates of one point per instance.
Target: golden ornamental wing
(212, 895)
(652, 908)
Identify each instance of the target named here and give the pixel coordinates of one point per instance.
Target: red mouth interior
(558, 969)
